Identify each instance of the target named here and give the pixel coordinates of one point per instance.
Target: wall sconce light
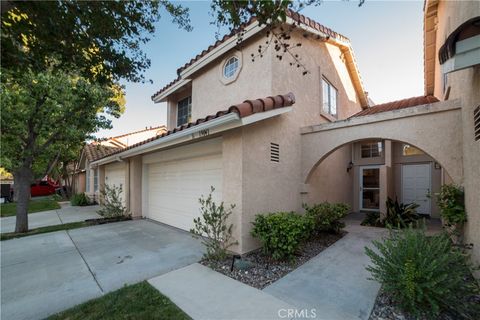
(350, 166)
(437, 165)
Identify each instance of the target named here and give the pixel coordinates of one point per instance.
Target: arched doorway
(364, 172)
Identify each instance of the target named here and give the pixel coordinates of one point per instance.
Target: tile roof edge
(244, 109)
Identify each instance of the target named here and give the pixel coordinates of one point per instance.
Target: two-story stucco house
(249, 151)
(269, 138)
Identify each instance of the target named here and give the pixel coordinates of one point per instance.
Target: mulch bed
(98, 221)
(258, 270)
(385, 308)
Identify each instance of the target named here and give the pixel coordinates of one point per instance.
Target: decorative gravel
(385, 308)
(258, 270)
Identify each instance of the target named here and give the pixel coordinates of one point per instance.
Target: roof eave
(163, 97)
(218, 125)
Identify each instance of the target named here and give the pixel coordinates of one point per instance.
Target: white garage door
(115, 176)
(174, 187)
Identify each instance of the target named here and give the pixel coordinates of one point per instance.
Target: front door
(416, 186)
(370, 188)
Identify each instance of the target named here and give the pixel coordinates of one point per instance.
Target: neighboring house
(87, 180)
(320, 142)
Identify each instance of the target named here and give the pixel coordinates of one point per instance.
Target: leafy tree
(61, 66)
(45, 114)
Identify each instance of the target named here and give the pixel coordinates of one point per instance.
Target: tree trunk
(23, 179)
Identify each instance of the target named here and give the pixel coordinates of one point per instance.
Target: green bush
(281, 233)
(400, 215)
(326, 216)
(212, 227)
(451, 201)
(112, 206)
(425, 275)
(79, 199)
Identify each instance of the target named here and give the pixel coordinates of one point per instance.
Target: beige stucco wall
(270, 186)
(135, 187)
(430, 128)
(465, 85)
(330, 181)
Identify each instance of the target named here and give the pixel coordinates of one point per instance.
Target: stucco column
(386, 177)
(101, 183)
(135, 187)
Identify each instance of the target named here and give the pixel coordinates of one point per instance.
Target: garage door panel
(174, 188)
(115, 176)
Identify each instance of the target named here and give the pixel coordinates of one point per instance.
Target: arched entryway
(404, 154)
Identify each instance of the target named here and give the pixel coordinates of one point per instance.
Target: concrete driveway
(66, 214)
(48, 273)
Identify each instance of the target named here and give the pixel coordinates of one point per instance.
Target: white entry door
(416, 184)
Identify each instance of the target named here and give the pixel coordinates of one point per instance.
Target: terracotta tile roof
(95, 151)
(244, 109)
(139, 131)
(396, 105)
(300, 18)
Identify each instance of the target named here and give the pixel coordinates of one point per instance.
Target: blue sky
(386, 36)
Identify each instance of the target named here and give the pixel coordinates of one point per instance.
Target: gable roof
(396, 105)
(94, 151)
(244, 109)
(309, 25)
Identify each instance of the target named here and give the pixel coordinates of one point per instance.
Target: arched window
(230, 68)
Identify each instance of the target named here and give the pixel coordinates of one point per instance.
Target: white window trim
(178, 109)
(330, 85)
(223, 79)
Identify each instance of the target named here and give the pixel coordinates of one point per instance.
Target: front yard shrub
(281, 233)
(451, 200)
(212, 227)
(400, 215)
(79, 199)
(326, 216)
(424, 275)
(112, 202)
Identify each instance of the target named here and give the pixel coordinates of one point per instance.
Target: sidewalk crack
(85, 261)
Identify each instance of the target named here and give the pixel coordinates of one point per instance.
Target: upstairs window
(184, 111)
(230, 68)
(329, 98)
(371, 149)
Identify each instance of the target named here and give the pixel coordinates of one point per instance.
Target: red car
(43, 188)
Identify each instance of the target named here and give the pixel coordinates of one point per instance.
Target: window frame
(227, 64)
(380, 149)
(329, 98)
(189, 110)
(95, 180)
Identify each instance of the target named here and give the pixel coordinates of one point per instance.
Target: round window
(230, 68)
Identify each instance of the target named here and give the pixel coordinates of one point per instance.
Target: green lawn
(66, 226)
(138, 301)
(10, 209)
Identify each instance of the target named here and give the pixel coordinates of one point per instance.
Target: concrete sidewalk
(206, 294)
(334, 283)
(66, 214)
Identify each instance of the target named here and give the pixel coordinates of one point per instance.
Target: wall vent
(274, 152)
(476, 123)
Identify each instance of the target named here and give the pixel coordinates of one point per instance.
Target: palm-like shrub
(425, 275)
(213, 228)
(400, 215)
